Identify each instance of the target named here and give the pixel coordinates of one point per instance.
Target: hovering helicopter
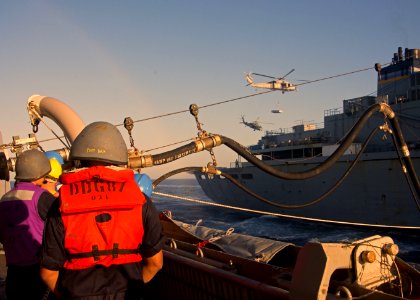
(277, 84)
(254, 125)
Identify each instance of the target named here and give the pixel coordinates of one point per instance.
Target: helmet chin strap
(40, 181)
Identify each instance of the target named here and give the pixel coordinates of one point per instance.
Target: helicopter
(277, 84)
(254, 125)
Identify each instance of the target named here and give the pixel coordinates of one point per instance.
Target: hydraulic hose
(157, 181)
(399, 139)
(316, 200)
(169, 156)
(399, 142)
(215, 140)
(331, 160)
(143, 161)
(407, 174)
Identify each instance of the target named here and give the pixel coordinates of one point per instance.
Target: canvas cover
(246, 246)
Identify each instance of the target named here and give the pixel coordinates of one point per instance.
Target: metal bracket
(19, 144)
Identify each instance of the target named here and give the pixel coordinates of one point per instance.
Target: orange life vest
(101, 208)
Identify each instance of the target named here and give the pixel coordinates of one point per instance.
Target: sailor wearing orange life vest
(105, 240)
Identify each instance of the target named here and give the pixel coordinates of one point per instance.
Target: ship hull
(375, 193)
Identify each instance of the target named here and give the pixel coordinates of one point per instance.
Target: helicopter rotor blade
(263, 75)
(292, 70)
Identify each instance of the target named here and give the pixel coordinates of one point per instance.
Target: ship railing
(313, 141)
(236, 164)
(333, 111)
(279, 131)
(307, 126)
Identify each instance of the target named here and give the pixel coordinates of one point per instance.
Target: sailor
(23, 211)
(105, 239)
(51, 180)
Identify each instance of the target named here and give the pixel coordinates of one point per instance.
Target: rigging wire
(236, 99)
(209, 105)
(167, 145)
(338, 75)
(247, 96)
(165, 115)
(204, 106)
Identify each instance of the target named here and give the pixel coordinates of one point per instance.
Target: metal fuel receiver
(137, 160)
(210, 170)
(207, 143)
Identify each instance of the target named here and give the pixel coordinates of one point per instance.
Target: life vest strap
(96, 253)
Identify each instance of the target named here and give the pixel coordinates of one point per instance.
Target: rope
(276, 214)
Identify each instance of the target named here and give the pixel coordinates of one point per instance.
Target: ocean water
(288, 230)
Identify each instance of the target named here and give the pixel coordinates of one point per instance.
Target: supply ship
(373, 192)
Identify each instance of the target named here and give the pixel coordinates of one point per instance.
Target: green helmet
(100, 141)
(32, 165)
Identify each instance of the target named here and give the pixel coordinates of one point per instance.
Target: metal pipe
(65, 117)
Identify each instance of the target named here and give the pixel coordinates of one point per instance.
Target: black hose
(157, 181)
(407, 176)
(245, 189)
(311, 172)
(169, 156)
(318, 199)
(406, 156)
(185, 150)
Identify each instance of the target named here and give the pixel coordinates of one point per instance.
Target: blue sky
(109, 60)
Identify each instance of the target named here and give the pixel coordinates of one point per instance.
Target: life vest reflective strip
(101, 209)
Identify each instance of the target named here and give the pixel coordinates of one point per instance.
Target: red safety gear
(101, 208)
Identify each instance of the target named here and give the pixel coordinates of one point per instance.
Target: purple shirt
(21, 225)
